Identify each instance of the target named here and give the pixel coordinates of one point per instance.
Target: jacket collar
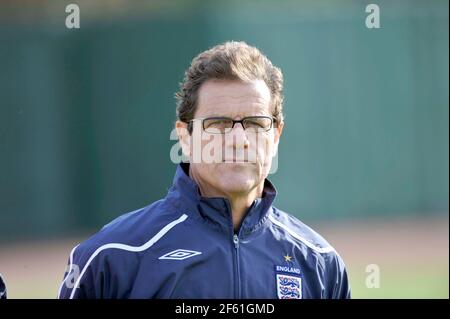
(185, 195)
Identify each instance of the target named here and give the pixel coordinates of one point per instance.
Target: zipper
(237, 268)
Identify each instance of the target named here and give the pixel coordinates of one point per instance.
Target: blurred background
(86, 116)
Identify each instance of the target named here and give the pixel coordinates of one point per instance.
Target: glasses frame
(273, 122)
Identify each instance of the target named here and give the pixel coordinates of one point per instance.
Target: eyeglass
(223, 125)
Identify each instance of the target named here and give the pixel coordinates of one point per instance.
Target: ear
(184, 137)
(277, 135)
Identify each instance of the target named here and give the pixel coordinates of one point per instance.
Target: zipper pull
(236, 240)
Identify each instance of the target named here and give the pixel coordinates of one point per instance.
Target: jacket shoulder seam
(121, 246)
(321, 250)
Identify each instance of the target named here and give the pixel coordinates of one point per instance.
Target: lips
(236, 161)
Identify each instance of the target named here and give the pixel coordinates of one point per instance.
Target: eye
(254, 123)
(258, 123)
(216, 122)
(217, 125)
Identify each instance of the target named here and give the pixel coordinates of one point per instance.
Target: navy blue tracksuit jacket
(184, 246)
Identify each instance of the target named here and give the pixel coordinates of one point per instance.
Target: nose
(239, 136)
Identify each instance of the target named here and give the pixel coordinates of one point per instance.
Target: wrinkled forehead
(233, 99)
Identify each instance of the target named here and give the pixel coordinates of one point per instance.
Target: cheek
(264, 147)
(203, 148)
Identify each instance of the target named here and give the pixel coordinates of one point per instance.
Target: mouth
(235, 161)
(239, 157)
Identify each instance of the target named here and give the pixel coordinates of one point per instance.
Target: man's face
(238, 161)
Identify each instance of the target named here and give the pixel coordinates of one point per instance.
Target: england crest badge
(289, 283)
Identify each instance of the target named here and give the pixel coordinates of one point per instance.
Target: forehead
(233, 98)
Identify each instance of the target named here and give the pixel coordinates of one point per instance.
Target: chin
(234, 187)
(232, 181)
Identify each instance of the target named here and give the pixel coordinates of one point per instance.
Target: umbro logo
(180, 254)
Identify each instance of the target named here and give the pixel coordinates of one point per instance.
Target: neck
(240, 201)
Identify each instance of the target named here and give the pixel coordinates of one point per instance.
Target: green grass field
(429, 281)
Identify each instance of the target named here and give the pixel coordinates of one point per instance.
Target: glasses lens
(257, 124)
(217, 125)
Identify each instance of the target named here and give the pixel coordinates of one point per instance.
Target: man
(2, 288)
(216, 233)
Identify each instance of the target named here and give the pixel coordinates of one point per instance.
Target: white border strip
(307, 243)
(145, 246)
